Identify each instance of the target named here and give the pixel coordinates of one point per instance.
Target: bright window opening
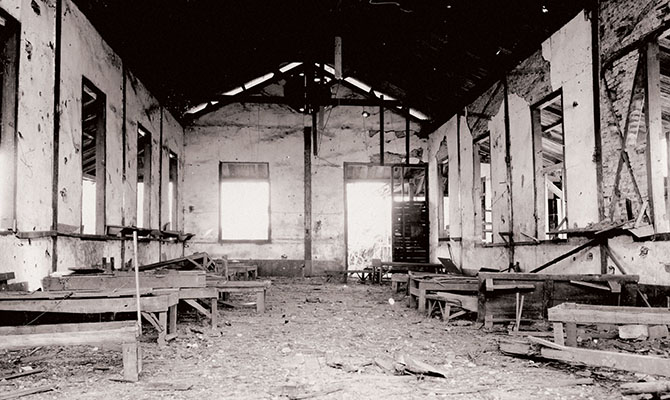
(549, 137)
(92, 159)
(483, 161)
(143, 177)
(173, 190)
(245, 201)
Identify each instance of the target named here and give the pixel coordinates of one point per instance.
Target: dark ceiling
(434, 55)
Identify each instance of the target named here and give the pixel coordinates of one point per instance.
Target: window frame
(541, 207)
(245, 179)
(481, 223)
(147, 178)
(100, 160)
(11, 39)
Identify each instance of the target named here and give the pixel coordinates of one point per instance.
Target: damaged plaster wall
(84, 53)
(563, 62)
(274, 134)
(31, 259)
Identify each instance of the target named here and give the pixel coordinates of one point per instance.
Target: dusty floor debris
(344, 346)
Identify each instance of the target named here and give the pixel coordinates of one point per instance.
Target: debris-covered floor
(317, 340)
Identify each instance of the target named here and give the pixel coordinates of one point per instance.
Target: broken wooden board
(124, 333)
(6, 276)
(645, 387)
(25, 392)
(126, 280)
(598, 358)
(596, 314)
(197, 260)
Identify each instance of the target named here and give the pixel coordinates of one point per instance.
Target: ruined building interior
(334, 199)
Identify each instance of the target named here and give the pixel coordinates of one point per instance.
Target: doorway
(386, 213)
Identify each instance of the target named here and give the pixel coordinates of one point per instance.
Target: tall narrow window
(664, 58)
(173, 190)
(143, 177)
(245, 201)
(483, 164)
(93, 105)
(9, 33)
(443, 207)
(549, 162)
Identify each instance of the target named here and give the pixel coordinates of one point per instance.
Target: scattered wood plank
(21, 374)
(168, 386)
(25, 392)
(598, 358)
(645, 387)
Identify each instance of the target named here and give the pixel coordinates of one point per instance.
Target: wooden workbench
(160, 310)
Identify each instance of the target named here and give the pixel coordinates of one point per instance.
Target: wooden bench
(422, 284)
(258, 287)
(381, 268)
(444, 304)
(119, 332)
(397, 279)
(565, 318)
(160, 310)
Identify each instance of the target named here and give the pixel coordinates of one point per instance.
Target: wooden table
(160, 310)
(258, 287)
(569, 315)
(498, 293)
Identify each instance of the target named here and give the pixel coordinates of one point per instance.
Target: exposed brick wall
(623, 22)
(531, 79)
(483, 109)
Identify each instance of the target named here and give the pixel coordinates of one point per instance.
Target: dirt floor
(317, 340)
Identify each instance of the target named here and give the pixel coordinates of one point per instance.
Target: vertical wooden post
(655, 167)
(137, 284)
(508, 159)
(56, 133)
(308, 200)
(407, 138)
(381, 132)
(338, 57)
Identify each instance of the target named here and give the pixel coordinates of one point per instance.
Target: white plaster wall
(141, 108)
(647, 259)
(254, 133)
(86, 54)
(569, 51)
(499, 183)
(523, 167)
(34, 167)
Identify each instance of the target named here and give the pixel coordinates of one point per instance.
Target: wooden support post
(214, 312)
(131, 361)
(655, 166)
(163, 331)
(571, 334)
(260, 301)
(172, 319)
(381, 132)
(308, 202)
(137, 283)
(407, 136)
(558, 333)
(338, 57)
